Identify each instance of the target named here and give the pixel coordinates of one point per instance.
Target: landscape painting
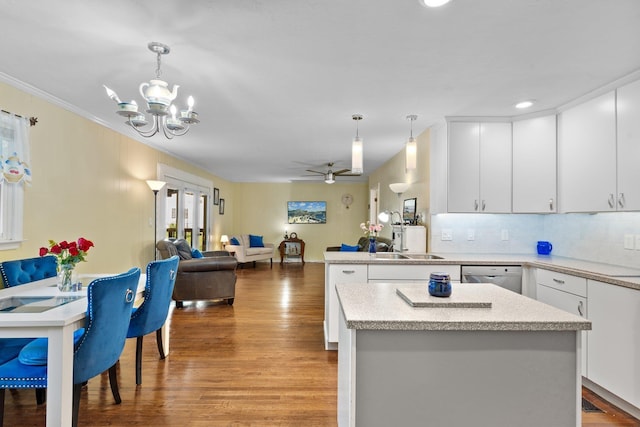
(307, 212)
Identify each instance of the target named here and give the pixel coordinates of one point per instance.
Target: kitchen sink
(424, 256)
(391, 255)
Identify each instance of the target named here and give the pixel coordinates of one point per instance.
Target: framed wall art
(307, 212)
(409, 211)
(216, 196)
(221, 207)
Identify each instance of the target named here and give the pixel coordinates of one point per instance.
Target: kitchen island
(515, 363)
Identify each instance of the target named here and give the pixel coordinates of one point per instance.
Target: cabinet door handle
(475, 205)
(484, 205)
(621, 200)
(610, 201)
(558, 281)
(580, 309)
(348, 271)
(550, 204)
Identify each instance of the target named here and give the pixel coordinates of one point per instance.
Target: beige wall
(89, 181)
(261, 209)
(394, 171)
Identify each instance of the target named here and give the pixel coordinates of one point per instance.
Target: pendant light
(411, 148)
(357, 149)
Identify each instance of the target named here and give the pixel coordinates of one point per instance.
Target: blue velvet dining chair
(19, 272)
(152, 313)
(109, 305)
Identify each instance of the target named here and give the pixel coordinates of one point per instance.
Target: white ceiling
(276, 82)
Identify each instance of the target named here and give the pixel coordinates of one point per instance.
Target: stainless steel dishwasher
(506, 276)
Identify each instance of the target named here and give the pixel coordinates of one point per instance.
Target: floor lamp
(155, 186)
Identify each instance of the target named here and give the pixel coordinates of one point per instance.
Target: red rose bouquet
(68, 253)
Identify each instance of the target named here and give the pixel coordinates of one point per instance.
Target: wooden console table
(291, 248)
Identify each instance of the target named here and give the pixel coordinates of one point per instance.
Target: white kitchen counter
(378, 307)
(607, 273)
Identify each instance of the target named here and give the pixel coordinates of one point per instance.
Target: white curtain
(15, 160)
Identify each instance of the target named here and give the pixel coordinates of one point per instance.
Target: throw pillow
(184, 248)
(255, 241)
(234, 241)
(349, 248)
(196, 253)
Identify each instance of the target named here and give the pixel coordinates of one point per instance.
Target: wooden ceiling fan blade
(318, 172)
(342, 171)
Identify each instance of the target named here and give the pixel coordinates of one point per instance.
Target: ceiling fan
(330, 175)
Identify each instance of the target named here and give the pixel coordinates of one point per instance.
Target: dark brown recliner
(382, 245)
(212, 277)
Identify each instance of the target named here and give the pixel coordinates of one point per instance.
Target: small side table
(291, 248)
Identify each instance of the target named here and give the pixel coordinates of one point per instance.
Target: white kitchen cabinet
(568, 293)
(534, 165)
(479, 167)
(334, 274)
(587, 156)
(614, 341)
(628, 118)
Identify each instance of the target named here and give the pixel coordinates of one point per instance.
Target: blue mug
(544, 248)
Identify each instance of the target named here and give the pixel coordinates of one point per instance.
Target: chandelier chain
(158, 71)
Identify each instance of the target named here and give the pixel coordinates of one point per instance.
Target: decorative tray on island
(418, 296)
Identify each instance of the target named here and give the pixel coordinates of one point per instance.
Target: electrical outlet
(150, 222)
(471, 234)
(504, 235)
(628, 241)
(447, 234)
(637, 242)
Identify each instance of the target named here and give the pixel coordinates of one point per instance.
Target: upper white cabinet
(587, 156)
(628, 111)
(534, 165)
(479, 167)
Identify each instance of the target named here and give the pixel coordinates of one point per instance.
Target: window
(15, 171)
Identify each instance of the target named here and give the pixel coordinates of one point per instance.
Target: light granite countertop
(607, 273)
(377, 306)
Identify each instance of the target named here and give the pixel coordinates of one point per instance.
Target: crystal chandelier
(159, 104)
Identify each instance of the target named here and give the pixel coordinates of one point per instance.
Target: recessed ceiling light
(524, 104)
(433, 3)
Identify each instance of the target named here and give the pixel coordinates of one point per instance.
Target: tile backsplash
(594, 237)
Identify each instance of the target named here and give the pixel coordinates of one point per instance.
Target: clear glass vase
(66, 278)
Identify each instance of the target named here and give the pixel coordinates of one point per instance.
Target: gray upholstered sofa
(382, 245)
(212, 277)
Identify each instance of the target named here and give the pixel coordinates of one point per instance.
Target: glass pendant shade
(356, 156)
(357, 150)
(411, 151)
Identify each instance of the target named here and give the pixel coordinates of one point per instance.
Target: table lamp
(224, 239)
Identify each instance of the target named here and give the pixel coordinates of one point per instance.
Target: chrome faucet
(388, 215)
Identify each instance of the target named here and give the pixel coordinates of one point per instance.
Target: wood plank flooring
(260, 362)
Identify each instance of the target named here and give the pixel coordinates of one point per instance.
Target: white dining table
(57, 324)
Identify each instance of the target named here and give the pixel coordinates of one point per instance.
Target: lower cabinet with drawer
(334, 274)
(614, 341)
(568, 293)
